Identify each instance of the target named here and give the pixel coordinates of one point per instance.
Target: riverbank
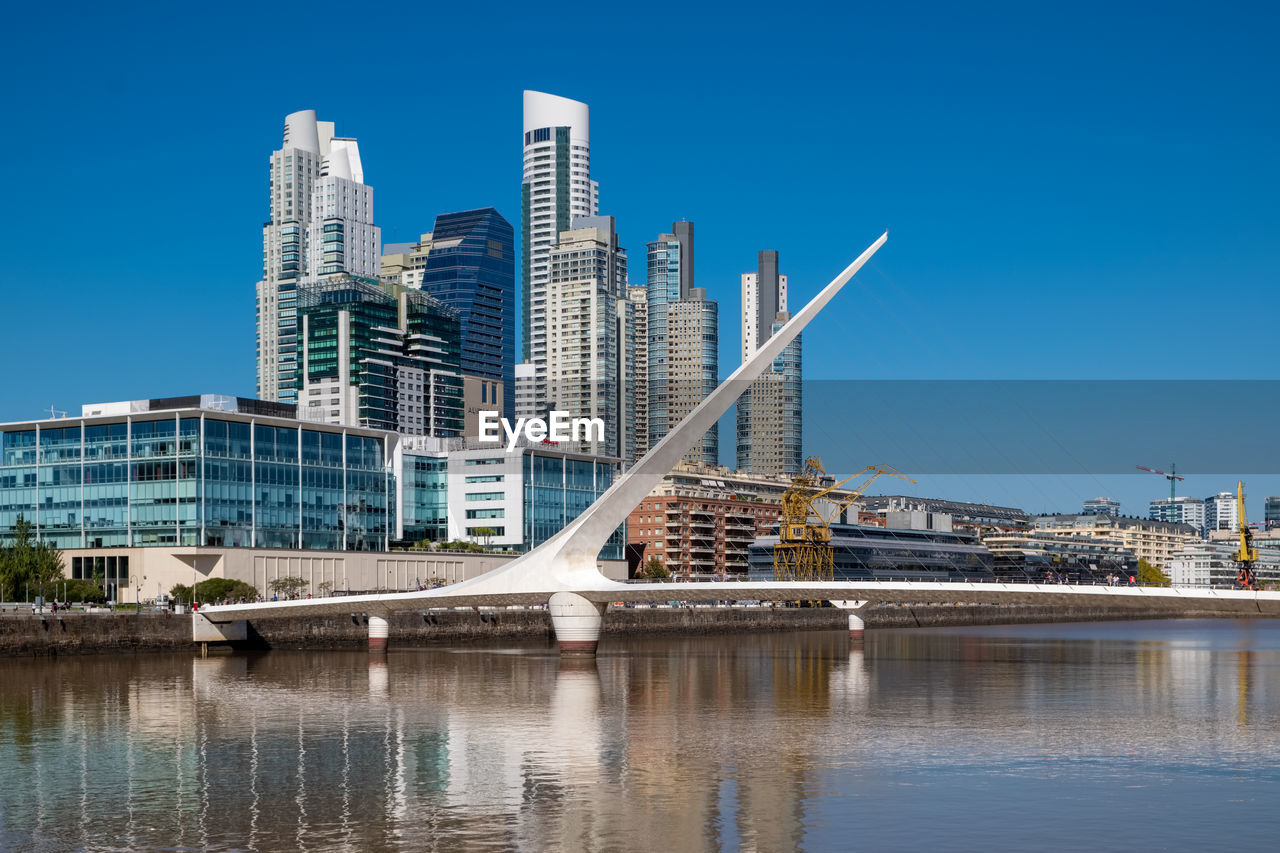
(73, 633)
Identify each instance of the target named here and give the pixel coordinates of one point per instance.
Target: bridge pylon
(857, 626)
(576, 622)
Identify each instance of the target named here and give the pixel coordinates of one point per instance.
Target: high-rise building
(526, 402)
(585, 304)
(320, 223)
(556, 188)
(471, 268)
(1271, 512)
(1101, 506)
(638, 296)
(693, 369)
(769, 411)
(1182, 510)
(379, 356)
(404, 263)
(1222, 511)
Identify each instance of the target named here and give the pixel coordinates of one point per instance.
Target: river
(1102, 736)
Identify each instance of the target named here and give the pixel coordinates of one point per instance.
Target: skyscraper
(379, 355)
(638, 297)
(556, 188)
(689, 359)
(586, 306)
(471, 268)
(320, 223)
(769, 411)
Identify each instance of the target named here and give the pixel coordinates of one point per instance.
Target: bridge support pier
(857, 626)
(576, 622)
(379, 630)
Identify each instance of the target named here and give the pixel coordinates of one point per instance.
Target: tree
(325, 588)
(288, 586)
(1150, 575)
(653, 569)
(485, 533)
(214, 590)
(26, 562)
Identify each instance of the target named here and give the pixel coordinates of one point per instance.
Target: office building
(556, 188)
(525, 398)
(1033, 557)
(405, 263)
(1271, 512)
(1101, 506)
(1182, 510)
(1222, 511)
(585, 304)
(471, 269)
(769, 417)
(319, 223)
(380, 356)
(682, 368)
(863, 552)
(1213, 564)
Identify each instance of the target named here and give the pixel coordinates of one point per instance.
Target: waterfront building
(976, 518)
(526, 400)
(864, 552)
(584, 321)
(319, 223)
(1222, 511)
(381, 356)
(1153, 541)
(1101, 506)
(769, 416)
(471, 268)
(1029, 556)
(405, 263)
(556, 188)
(1271, 512)
(521, 499)
(638, 296)
(1182, 510)
(1213, 564)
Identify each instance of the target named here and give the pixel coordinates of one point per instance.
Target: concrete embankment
(81, 633)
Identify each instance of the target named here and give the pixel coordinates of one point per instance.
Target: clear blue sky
(1073, 191)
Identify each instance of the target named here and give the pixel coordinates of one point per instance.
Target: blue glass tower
(471, 268)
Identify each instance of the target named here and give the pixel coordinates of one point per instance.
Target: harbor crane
(1247, 554)
(804, 551)
(1171, 476)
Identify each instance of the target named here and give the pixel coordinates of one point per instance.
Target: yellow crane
(804, 552)
(1247, 555)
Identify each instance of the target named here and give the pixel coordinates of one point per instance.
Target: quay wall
(24, 634)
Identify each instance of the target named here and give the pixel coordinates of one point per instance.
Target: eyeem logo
(560, 428)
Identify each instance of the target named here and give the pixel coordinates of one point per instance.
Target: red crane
(1171, 476)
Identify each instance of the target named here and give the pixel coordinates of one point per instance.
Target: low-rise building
(1036, 556)
(863, 552)
(1153, 541)
(1213, 564)
(975, 518)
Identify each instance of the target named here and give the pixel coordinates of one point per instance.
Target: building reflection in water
(669, 744)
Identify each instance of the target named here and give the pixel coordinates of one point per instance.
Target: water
(1111, 736)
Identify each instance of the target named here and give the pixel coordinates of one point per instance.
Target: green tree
(325, 588)
(1150, 575)
(653, 569)
(214, 590)
(288, 586)
(25, 563)
(485, 533)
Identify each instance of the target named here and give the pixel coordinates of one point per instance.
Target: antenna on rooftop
(54, 413)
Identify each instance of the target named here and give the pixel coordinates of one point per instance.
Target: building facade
(471, 268)
(976, 518)
(525, 397)
(1271, 512)
(1101, 506)
(1033, 557)
(1153, 541)
(769, 416)
(638, 317)
(556, 188)
(1179, 511)
(863, 552)
(1222, 511)
(405, 263)
(693, 369)
(584, 321)
(1213, 564)
(381, 356)
(319, 222)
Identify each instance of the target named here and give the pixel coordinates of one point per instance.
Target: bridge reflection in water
(764, 742)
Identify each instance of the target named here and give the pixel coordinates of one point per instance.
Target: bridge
(562, 572)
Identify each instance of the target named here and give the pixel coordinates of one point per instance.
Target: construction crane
(804, 552)
(1247, 555)
(1171, 476)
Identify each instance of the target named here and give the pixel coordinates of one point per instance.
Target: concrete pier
(379, 631)
(576, 622)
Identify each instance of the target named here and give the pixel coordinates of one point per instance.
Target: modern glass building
(197, 471)
(471, 268)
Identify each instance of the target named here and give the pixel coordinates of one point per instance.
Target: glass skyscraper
(471, 268)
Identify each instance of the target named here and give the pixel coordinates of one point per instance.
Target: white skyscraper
(770, 411)
(556, 188)
(320, 223)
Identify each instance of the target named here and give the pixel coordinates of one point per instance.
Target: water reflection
(768, 742)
